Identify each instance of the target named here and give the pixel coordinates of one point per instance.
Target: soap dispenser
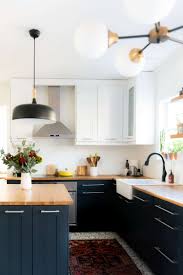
(171, 177)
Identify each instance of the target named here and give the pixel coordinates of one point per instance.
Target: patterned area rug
(100, 257)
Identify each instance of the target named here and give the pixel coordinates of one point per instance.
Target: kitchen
(92, 194)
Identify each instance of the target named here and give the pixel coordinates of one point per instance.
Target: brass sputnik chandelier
(92, 39)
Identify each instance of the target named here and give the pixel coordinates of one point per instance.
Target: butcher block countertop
(74, 178)
(41, 194)
(172, 194)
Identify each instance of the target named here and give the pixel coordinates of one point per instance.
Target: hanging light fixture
(128, 62)
(92, 40)
(39, 113)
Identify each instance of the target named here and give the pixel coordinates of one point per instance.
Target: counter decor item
(25, 158)
(93, 161)
(65, 173)
(81, 170)
(51, 169)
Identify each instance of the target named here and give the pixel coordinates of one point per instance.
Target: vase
(172, 156)
(26, 181)
(93, 171)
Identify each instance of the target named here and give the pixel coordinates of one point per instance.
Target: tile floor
(111, 235)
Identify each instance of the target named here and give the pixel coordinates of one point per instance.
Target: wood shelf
(177, 98)
(177, 136)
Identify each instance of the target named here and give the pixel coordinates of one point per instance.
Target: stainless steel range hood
(57, 129)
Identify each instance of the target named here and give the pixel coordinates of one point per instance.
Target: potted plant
(23, 161)
(178, 148)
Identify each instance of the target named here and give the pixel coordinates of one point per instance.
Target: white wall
(169, 81)
(66, 155)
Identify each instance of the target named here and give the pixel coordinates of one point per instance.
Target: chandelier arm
(134, 36)
(157, 26)
(176, 40)
(145, 47)
(176, 29)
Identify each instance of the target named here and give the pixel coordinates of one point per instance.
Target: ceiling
(57, 21)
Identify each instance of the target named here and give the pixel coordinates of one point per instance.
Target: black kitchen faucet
(164, 170)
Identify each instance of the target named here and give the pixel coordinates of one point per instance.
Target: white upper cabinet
(110, 113)
(139, 110)
(86, 113)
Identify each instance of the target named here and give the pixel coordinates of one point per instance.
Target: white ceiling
(57, 20)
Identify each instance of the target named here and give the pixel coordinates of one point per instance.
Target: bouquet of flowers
(24, 160)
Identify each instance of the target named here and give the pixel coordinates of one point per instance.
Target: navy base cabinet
(15, 240)
(95, 205)
(50, 240)
(34, 240)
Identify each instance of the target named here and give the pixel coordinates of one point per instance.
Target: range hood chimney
(57, 129)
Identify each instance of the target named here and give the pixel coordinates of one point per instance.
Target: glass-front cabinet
(129, 109)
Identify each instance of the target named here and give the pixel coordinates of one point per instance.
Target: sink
(124, 187)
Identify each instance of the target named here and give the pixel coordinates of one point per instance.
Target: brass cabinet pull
(164, 255)
(165, 224)
(165, 210)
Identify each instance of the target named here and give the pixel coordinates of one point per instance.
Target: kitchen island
(34, 229)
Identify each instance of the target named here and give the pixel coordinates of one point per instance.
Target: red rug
(100, 257)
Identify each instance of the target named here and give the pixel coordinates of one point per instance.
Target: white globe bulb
(148, 11)
(91, 40)
(125, 66)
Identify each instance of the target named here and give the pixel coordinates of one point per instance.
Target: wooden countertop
(172, 194)
(74, 178)
(41, 194)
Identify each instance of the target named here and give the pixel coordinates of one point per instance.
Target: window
(171, 127)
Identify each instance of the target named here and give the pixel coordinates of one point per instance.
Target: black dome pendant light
(34, 111)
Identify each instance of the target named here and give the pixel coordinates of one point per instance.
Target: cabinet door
(143, 221)
(129, 112)
(110, 116)
(86, 113)
(50, 240)
(125, 217)
(15, 240)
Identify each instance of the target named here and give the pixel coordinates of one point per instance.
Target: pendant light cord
(34, 74)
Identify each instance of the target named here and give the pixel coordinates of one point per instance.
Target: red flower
(22, 160)
(32, 154)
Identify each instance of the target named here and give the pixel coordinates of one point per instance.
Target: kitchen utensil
(93, 160)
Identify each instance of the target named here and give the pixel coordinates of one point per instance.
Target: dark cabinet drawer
(163, 263)
(168, 213)
(168, 239)
(94, 186)
(141, 197)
